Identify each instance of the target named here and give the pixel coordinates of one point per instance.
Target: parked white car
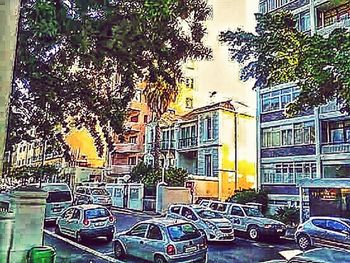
(248, 219)
(215, 226)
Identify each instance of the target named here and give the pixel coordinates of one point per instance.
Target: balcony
(330, 107)
(122, 169)
(127, 148)
(336, 148)
(187, 142)
(328, 29)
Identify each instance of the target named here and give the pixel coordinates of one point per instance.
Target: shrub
(250, 196)
(287, 215)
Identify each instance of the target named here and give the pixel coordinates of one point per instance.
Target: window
(134, 118)
(154, 233)
(138, 95)
(208, 165)
(132, 139)
(189, 103)
(139, 230)
(287, 173)
(319, 223)
(132, 160)
(335, 226)
(277, 100)
(272, 4)
(287, 136)
(76, 214)
(263, 7)
(175, 209)
(236, 211)
(145, 118)
(188, 213)
(304, 22)
(189, 83)
(183, 232)
(209, 128)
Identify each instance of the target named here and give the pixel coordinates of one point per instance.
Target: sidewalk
(137, 212)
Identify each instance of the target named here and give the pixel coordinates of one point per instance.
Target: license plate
(279, 230)
(99, 224)
(56, 209)
(190, 249)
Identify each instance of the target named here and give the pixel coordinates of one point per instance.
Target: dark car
(324, 231)
(318, 255)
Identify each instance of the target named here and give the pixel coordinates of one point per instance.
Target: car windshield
(59, 196)
(207, 214)
(96, 213)
(183, 232)
(99, 191)
(251, 211)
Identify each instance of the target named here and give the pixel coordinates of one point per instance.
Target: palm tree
(159, 96)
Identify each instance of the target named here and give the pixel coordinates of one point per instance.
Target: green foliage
(287, 215)
(150, 176)
(78, 62)
(279, 53)
(26, 172)
(176, 176)
(250, 196)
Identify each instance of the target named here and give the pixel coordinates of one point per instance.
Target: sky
(221, 74)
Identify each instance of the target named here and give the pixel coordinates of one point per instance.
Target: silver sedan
(162, 240)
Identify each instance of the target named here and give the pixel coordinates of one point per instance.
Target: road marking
(87, 249)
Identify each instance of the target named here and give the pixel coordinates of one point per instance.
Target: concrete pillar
(28, 205)
(160, 196)
(6, 227)
(9, 13)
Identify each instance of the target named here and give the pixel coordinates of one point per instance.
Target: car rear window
(99, 192)
(59, 196)
(96, 213)
(183, 232)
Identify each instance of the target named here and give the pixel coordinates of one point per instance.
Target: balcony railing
(336, 148)
(164, 145)
(127, 147)
(329, 28)
(187, 142)
(122, 169)
(330, 107)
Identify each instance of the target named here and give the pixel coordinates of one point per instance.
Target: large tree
(277, 53)
(78, 62)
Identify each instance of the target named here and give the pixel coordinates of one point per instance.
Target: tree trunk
(157, 144)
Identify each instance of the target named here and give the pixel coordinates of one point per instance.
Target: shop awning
(324, 183)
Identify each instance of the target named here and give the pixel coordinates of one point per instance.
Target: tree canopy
(78, 62)
(279, 53)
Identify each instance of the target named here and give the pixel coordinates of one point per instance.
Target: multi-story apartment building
(304, 160)
(214, 144)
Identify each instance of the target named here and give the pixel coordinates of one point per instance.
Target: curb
(82, 247)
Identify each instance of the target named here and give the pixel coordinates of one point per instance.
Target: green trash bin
(42, 254)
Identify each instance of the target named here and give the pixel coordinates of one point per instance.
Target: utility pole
(236, 150)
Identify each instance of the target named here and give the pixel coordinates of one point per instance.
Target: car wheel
(304, 242)
(109, 238)
(253, 233)
(159, 259)
(57, 230)
(119, 250)
(78, 237)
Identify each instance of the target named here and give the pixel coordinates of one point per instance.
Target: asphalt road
(242, 250)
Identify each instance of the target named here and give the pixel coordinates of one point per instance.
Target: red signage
(190, 185)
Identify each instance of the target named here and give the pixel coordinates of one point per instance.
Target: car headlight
(210, 225)
(268, 226)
